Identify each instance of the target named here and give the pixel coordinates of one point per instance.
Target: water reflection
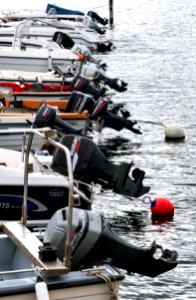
(131, 221)
(155, 54)
(114, 146)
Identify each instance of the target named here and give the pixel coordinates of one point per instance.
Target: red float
(162, 207)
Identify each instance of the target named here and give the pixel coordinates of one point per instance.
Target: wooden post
(111, 12)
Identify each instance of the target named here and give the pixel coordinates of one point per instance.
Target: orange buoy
(162, 207)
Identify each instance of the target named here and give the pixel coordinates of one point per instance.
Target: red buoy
(80, 57)
(162, 207)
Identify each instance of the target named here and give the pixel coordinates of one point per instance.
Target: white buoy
(41, 290)
(174, 131)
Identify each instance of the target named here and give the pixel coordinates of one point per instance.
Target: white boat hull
(41, 60)
(19, 277)
(46, 28)
(90, 292)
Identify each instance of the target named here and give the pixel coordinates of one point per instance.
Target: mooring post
(111, 12)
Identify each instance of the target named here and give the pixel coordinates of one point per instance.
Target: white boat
(46, 28)
(78, 256)
(27, 271)
(47, 189)
(56, 51)
(36, 60)
(9, 15)
(58, 41)
(56, 79)
(22, 119)
(87, 20)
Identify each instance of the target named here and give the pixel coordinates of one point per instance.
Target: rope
(111, 284)
(82, 194)
(159, 123)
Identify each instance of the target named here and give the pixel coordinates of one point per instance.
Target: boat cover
(63, 11)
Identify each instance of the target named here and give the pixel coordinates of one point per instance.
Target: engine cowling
(92, 240)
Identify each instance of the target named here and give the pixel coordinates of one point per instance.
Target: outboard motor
(46, 116)
(105, 46)
(118, 123)
(82, 84)
(98, 110)
(90, 165)
(96, 73)
(93, 241)
(79, 102)
(63, 40)
(83, 50)
(97, 18)
(89, 22)
(114, 83)
(66, 42)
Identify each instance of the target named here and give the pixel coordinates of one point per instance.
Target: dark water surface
(156, 54)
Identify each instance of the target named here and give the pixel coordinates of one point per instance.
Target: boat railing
(16, 231)
(21, 31)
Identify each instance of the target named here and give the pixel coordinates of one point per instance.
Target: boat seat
(10, 158)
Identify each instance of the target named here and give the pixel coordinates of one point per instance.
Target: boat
(28, 267)
(18, 81)
(59, 40)
(67, 14)
(20, 53)
(46, 28)
(57, 80)
(86, 96)
(80, 122)
(47, 191)
(37, 60)
(76, 256)
(33, 99)
(9, 15)
(22, 118)
(90, 19)
(47, 188)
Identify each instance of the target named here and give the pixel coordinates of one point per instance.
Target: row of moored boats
(55, 93)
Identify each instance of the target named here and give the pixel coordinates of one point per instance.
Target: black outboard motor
(66, 42)
(90, 165)
(118, 123)
(79, 102)
(98, 18)
(46, 117)
(93, 241)
(114, 83)
(103, 47)
(63, 40)
(82, 84)
(98, 110)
